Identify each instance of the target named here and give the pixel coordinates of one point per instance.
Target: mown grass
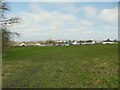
(85, 66)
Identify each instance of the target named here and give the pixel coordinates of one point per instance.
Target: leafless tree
(5, 22)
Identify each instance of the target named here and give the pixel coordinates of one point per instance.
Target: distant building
(38, 44)
(60, 43)
(90, 42)
(29, 44)
(81, 42)
(66, 43)
(108, 41)
(63, 43)
(75, 43)
(22, 44)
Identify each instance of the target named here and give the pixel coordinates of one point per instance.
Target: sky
(65, 20)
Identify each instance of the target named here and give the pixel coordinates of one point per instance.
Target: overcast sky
(75, 21)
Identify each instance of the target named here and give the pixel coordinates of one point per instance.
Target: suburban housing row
(64, 43)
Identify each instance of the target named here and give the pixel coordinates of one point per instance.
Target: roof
(89, 41)
(108, 40)
(81, 41)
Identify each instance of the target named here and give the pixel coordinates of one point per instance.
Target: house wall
(108, 42)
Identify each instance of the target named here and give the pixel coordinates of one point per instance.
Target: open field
(84, 66)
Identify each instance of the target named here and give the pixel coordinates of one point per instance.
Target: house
(38, 44)
(29, 43)
(81, 42)
(60, 43)
(108, 41)
(66, 43)
(22, 45)
(19, 44)
(69, 42)
(75, 43)
(90, 42)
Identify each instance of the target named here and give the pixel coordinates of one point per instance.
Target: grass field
(83, 66)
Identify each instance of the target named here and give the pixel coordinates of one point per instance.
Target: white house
(75, 43)
(22, 44)
(108, 42)
(93, 42)
(90, 42)
(66, 45)
(38, 44)
(60, 41)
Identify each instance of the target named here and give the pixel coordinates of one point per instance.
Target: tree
(4, 23)
(50, 41)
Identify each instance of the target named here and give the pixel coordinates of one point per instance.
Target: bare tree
(5, 22)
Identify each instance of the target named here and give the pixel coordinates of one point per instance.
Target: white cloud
(109, 15)
(43, 24)
(86, 23)
(90, 11)
(110, 28)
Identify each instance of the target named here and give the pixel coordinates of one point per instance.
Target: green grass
(84, 66)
